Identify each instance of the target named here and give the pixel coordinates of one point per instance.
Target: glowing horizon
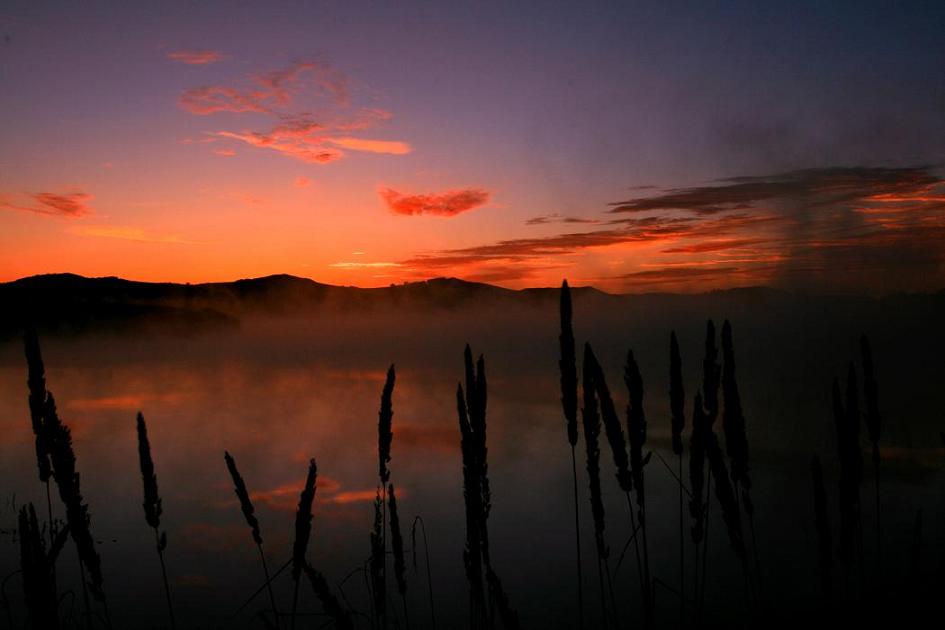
(507, 151)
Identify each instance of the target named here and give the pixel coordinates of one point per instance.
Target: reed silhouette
(677, 408)
(376, 565)
(249, 513)
(385, 437)
(847, 421)
(426, 554)
(591, 421)
(822, 525)
(569, 383)
(618, 447)
(37, 568)
(714, 468)
(471, 411)
(55, 441)
(36, 382)
(397, 545)
(303, 531)
(152, 506)
(736, 440)
(636, 434)
(874, 428)
(329, 601)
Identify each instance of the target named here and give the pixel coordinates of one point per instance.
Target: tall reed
(249, 513)
(471, 409)
(472, 495)
(303, 531)
(697, 507)
(397, 545)
(507, 613)
(591, 421)
(677, 408)
(62, 457)
(569, 383)
(847, 421)
(636, 434)
(37, 569)
(36, 382)
(152, 506)
(426, 554)
(618, 447)
(54, 445)
(874, 427)
(330, 603)
(822, 524)
(385, 437)
(376, 565)
(736, 438)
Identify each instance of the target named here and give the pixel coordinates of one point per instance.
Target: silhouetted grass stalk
(677, 403)
(397, 544)
(636, 434)
(822, 524)
(615, 439)
(426, 555)
(246, 506)
(874, 426)
(591, 422)
(736, 440)
(36, 566)
(303, 531)
(569, 383)
(385, 437)
(152, 506)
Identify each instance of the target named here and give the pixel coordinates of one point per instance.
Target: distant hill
(74, 303)
(70, 303)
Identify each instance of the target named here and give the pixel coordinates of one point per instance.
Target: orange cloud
(285, 498)
(195, 57)
(300, 149)
(372, 146)
(302, 182)
(225, 152)
(445, 204)
(70, 204)
(130, 234)
(128, 402)
(216, 98)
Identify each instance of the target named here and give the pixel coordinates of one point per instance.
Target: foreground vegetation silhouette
(718, 494)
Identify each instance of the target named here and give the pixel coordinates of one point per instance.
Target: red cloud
(195, 57)
(287, 97)
(445, 204)
(215, 98)
(70, 204)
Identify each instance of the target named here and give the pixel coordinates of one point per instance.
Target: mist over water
(277, 390)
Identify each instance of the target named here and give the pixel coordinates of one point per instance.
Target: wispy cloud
(196, 57)
(72, 204)
(128, 233)
(817, 187)
(302, 182)
(444, 204)
(372, 146)
(546, 219)
(835, 228)
(364, 265)
(288, 98)
(225, 152)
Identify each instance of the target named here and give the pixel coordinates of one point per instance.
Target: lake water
(279, 391)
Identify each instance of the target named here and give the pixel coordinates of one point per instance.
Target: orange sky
(166, 152)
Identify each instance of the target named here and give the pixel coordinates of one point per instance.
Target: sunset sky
(631, 146)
